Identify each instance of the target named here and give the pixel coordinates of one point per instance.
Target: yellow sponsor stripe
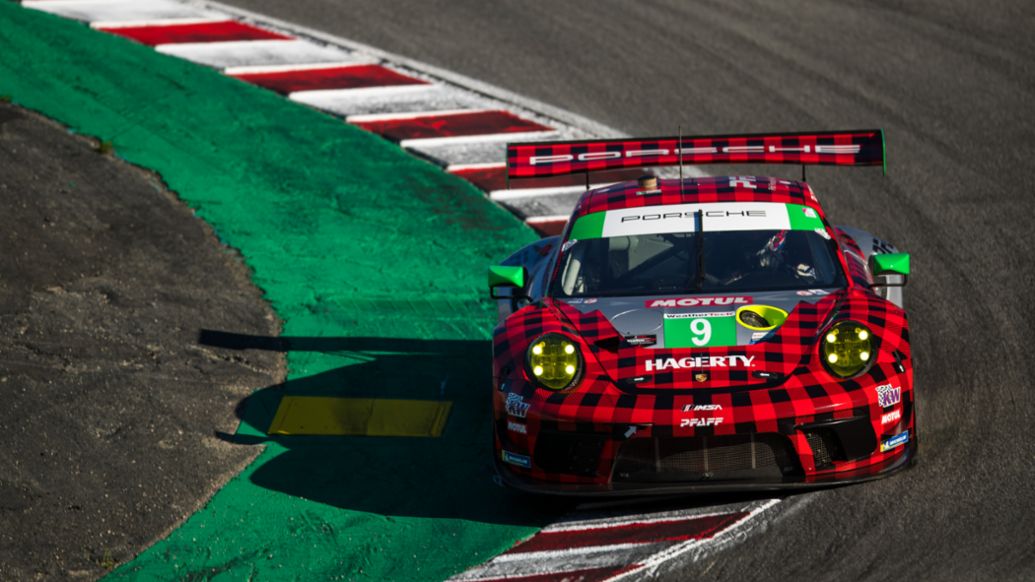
(321, 415)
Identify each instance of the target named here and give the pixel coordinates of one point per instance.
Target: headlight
(554, 361)
(847, 349)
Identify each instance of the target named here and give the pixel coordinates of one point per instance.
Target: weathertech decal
(699, 301)
(660, 364)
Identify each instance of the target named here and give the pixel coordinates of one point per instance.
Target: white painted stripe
(238, 55)
(286, 68)
(413, 115)
(531, 564)
(547, 219)
(489, 137)
(518, 193)
(118, 12)
(425, 98)
(627, 520)
(117, 24)
(485, 166)
(307, 96)
(720, 539)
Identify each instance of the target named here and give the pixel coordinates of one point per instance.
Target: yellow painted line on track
(322, 415)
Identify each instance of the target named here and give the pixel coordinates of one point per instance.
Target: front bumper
(522, 482)
(785, 437)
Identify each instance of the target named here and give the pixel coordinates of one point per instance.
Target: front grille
(825, 447)
(761, 456)
(577, 454)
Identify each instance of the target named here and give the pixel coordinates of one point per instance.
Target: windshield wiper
(699, 280)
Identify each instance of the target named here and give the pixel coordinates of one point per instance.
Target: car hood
(646, 317)
(626, 336)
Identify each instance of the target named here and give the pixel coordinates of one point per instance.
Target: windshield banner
(673, 218)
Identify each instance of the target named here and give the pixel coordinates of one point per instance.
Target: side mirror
(890, 269)
(513, 278)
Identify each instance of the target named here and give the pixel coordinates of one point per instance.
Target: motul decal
(660, 364)
(699, 301)
(891, 417)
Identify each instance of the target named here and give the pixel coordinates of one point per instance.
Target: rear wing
(837, 148)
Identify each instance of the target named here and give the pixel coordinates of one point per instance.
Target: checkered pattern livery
(841, 148)
(771, 388)
(698, 191)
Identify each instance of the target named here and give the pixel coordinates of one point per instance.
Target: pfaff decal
(888, 395)
(660, 364)
(516, 406)
(851, 149)
(698, 301)
(697, 422)
(895, 441)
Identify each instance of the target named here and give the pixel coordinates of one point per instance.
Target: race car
(700, 334)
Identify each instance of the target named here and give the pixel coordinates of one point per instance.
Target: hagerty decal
(659, 364)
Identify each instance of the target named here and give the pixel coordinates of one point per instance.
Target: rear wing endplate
(836, 148)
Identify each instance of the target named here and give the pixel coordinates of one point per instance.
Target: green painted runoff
(376, 263)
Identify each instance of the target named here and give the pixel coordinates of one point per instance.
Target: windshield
(669, 263)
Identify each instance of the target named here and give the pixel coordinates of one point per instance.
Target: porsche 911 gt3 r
(700, 333)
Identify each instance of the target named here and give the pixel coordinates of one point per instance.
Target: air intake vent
(705, 458)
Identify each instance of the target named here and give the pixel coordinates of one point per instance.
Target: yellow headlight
(846, 349)
(554, 361)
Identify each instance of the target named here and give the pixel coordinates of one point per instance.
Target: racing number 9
(701, 330)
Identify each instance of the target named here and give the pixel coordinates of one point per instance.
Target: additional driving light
(847, 349)
(554, 361)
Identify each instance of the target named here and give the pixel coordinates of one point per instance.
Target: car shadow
(450, 476)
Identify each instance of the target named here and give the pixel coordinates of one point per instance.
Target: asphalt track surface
(952, 82)
(110, 403)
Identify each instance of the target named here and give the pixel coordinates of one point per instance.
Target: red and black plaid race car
(700, 334)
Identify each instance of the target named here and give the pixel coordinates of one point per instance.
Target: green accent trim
(718, 331)
(506, 276)
(803, 217)
(373, 254)
(891, 264)
(588, 226)
(883, 151)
